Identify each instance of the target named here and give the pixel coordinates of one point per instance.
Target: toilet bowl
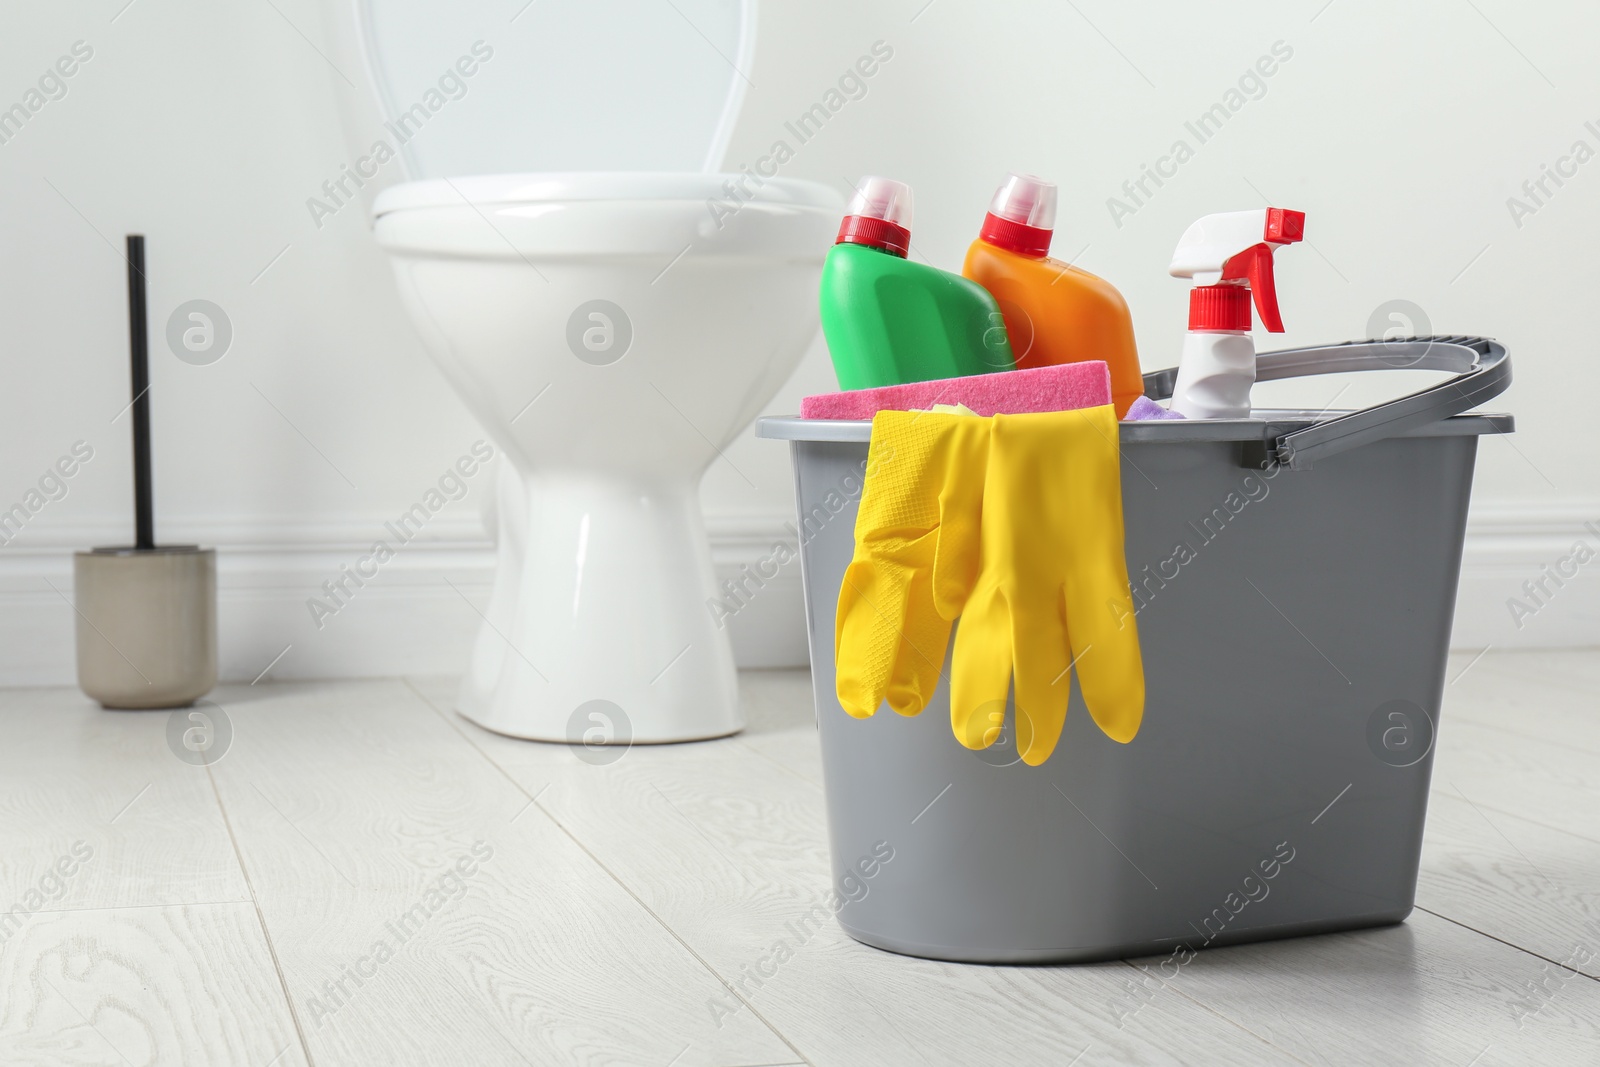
(611, 348)
(613, 331)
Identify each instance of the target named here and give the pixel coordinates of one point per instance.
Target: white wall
(1400, 129)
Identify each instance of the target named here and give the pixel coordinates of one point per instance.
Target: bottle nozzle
(1285, 226)
(1022, 215)
(1236, 248)
(879, 216)
(1026, 200)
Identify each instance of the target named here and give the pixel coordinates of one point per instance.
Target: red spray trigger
(1254, 264)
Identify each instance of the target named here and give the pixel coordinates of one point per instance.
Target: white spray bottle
(1230, 257)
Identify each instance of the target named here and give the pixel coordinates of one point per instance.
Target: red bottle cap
(879, 216)
(1022, 216)
(1219, 307)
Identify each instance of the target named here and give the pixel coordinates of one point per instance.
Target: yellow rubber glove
(915, 560)
(1052, 590)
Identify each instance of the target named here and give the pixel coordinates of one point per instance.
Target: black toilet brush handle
(139, 353)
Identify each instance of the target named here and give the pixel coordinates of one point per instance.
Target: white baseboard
(420, 614)
(1528, 554)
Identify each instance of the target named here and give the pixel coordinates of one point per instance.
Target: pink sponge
(1014, 392)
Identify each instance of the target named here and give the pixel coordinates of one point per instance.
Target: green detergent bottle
(889, 321)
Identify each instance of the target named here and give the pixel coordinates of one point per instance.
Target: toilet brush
(146, 614)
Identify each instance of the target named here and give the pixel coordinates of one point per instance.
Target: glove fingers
(1105, 638)
(980, 670)
(955, 564)
(897, 508)
(866, 632)
(1099, 607)
(958, 549)
(919, 651)
(1043, 682)
(890, 636)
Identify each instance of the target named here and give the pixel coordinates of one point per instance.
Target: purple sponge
(1144, 409)
(1062, 387)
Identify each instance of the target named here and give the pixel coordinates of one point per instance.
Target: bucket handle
(1482, 370)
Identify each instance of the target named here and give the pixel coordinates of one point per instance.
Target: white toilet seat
(597, 217)
(486, 189)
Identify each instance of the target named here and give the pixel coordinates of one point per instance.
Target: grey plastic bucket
(1294, 659)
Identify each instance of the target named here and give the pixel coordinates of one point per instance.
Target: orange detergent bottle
(1054, 312)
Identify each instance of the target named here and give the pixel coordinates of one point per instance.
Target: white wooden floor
(562, 913)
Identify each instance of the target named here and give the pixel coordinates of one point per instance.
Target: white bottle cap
(882, 198)
(1026, 200)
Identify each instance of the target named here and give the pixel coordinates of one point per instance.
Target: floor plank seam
(261, 921)
(449, 715)
(1230, 1021)
(1509, 944)
(1519, 735)
(140, 907)
(1516, 815)
(776, 762)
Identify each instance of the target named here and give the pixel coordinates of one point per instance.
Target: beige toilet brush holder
(147, 625)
